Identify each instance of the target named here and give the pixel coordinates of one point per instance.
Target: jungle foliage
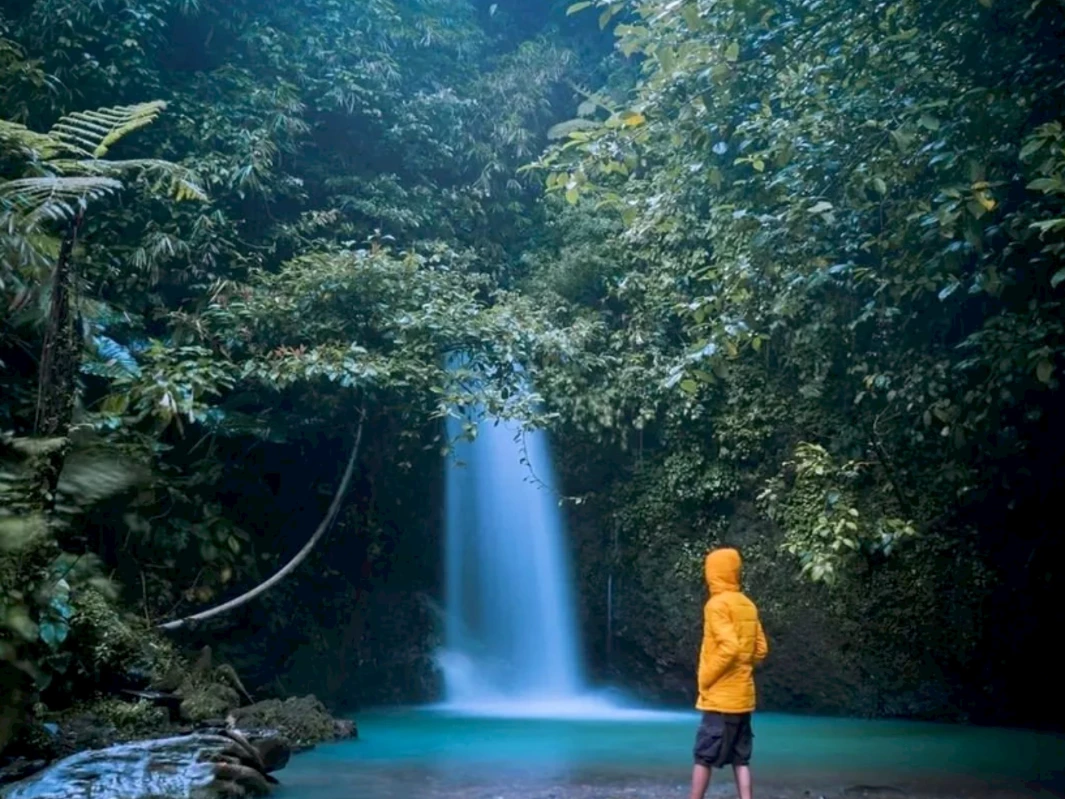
(833, 276)
(321, 216)
(788, 267)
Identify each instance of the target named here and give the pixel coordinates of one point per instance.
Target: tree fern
(73, 154)
(167, 177)
(91, 134)
(34, 200)
(19, 138)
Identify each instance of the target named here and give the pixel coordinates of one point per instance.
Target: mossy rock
(32, 740)
(116, 651)
(207, 702)
(132, 719)
(99, 724)
(303, 721)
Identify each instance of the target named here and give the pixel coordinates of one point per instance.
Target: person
(733, 644)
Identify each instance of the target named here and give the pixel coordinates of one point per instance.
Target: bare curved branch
(299, 557)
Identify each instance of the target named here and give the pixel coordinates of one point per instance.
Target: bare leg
(700, 781)
(743, 781)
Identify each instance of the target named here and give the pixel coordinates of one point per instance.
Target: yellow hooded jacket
(733, 639)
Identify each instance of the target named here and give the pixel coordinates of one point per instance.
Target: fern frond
(14, 136)
(183, 182)
(92, 133)
(51, 197)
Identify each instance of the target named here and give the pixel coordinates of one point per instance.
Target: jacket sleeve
(718, 625)
(761, 645)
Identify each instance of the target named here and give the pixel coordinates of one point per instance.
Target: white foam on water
(578, 708)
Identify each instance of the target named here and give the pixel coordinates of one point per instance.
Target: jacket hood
(722, 570)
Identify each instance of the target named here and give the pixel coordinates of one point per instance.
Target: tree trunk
(60, 361)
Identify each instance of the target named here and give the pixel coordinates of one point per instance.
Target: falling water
(512, 643)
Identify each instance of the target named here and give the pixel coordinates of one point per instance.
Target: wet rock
(275, 753)
(85, 730)
(344, 729)
(19, 769)
(303, 721)
(106, 722)
(197, 766)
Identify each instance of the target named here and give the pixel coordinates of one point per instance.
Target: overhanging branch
(298, 558)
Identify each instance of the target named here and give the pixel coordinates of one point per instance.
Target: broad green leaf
(1047, 185)
(1031, 147)
(18, 621)
(928, 122)
(690, 13)
(1049, 226)
(666, 58)
(1043, 370)
(573, 9)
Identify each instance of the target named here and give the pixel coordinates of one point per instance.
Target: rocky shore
(192, 733)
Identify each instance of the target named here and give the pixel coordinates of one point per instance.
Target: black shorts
(724, 739)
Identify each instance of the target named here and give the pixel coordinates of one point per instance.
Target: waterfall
(511, 636)
(512, 647)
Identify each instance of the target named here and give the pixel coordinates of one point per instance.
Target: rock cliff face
(835, 652)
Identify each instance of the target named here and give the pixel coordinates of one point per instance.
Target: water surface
(429, 753)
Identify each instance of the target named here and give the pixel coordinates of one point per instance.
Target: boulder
(303, 721)
(275, 753)
(101, 723)
(205, 765)
(207, 691)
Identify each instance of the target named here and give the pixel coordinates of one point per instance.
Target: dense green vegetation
(838, 241)
(782, 274)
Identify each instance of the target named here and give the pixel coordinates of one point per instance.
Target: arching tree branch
(297, 559)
